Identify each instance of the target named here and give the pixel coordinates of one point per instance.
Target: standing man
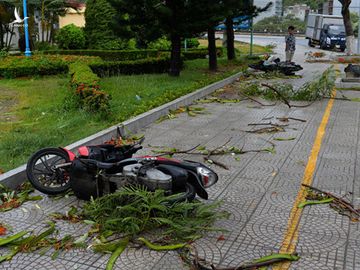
(290, 42)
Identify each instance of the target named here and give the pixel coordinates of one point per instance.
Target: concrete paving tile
(133, 259)
(244, 254)
(171, 261)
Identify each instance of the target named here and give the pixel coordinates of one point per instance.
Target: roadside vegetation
(40, 112)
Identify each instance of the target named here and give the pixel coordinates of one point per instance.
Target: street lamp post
(358, 42)
(26, 30)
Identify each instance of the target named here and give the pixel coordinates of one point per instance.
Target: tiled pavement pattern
(258, 191)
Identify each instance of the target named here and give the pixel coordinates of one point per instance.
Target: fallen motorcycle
(102, 169)
(276, 65)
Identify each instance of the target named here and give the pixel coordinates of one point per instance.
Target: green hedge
(21, 66)
(86, 86)
(125, 55)
(143, 66)
(109, 55)
(200, 53)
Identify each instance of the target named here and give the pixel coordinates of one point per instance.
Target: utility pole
(26, 30)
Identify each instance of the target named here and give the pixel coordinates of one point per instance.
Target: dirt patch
(8, 100)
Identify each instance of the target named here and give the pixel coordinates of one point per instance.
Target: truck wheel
(342, 49)
(311, 44)
(322, 46)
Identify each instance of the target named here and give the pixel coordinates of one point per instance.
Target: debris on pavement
(286, 119)
(339, 204)
(10, 199)
(190, 110)
(209, 153)
(198, 263)
(72, 215)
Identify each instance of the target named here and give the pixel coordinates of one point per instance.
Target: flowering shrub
(86, 85)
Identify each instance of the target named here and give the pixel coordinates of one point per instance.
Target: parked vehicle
(328, 31)
(239, 23)
(103, 169)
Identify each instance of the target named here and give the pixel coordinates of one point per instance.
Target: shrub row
(200, 53)
(86, 86)
(142, 66)
(19, 66)
(125, 55)
(109, 55)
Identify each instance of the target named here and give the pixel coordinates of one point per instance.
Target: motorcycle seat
(104, 165)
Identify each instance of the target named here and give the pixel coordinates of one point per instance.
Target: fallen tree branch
(286, 119)
(278, 93)
(260, 124)
(222, 165)
(255, 264)
(220, 150)
(272, 129)
(178, 152)
(339, 203)
(256, 101)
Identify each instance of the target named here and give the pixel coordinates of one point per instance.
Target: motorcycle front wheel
(187, 195)
(43, 174)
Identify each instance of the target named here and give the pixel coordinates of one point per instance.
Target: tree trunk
(230, 38)
(175, 61)
(1, 36)
(212, 49)
(345, 12)
(42, 20)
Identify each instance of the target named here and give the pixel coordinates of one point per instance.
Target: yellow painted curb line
(292, 232)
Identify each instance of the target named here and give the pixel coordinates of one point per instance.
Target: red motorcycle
(102, 169)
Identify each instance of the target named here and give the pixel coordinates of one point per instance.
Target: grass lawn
(39, 112)
(243, 47)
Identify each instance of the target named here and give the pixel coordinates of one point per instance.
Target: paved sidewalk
(259, 190)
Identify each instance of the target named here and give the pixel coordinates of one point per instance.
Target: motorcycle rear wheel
(43, 176)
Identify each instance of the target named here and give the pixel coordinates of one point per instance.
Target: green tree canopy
(279, 24)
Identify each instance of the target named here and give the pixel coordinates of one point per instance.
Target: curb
(17, 176)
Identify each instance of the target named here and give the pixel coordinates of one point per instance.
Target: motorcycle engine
(149, 177)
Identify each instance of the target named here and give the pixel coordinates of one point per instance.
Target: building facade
(275, 10)
(298, 11)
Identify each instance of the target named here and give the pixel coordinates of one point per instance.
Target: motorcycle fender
(196, 182)
(71, 155)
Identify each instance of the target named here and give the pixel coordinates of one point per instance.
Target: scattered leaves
(190, 110)
(2, 229)
(10, 199)
(72, 215)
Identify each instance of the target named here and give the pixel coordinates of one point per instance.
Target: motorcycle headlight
(207, 177)
(328, 40)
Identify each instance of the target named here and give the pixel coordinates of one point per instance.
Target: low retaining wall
(17, 176)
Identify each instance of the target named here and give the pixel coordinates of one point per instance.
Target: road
(266, 40)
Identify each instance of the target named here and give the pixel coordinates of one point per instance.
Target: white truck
(328, 31)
